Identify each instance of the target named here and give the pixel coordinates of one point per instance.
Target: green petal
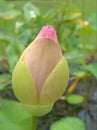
(55, 84)
(23, 84)
(38, 110)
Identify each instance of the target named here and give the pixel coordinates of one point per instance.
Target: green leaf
(24, 37)
(5, 37)
(7, 11)
(3, 85)
(14, 117)
(70, 12)
(93, 21)
(76, 57)
(5, 76)
(87, 30)
(13, 52)
(68, 123)
(90, 48)
(92, 68)
(10, 14)
(5, 6)
(74, 99)
(81, 74)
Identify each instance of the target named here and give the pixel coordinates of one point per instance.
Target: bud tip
(48, 32)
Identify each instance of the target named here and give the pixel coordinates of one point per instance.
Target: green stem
(33, 123)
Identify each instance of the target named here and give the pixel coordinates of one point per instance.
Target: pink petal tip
(48, 32)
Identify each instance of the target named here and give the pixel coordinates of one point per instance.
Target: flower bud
(41, 75)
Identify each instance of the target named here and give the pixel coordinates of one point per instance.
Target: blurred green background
(76, 26)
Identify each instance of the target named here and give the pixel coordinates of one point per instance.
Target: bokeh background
(76, 26)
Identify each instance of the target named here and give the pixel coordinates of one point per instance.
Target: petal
(48, 32)
(23, 84)
(41, 57)
(55, 84)
(38, 110)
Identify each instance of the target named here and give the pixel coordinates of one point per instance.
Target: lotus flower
(41, 75)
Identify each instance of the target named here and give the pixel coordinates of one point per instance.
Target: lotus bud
(41, 75)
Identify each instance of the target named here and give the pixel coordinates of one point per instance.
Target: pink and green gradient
(46, 55)
(41, 75)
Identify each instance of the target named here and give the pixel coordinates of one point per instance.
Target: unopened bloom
(41, 74)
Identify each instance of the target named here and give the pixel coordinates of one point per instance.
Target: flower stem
(73, 86)
(33, 123)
